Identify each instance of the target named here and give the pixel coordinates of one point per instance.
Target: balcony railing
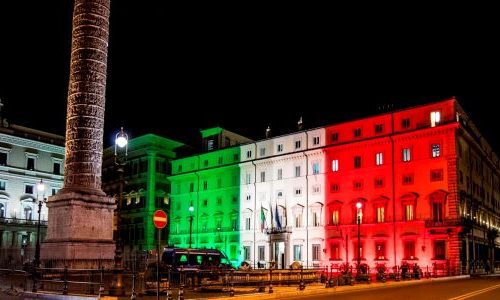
(442, 223)
(16, 221)
(278, 230)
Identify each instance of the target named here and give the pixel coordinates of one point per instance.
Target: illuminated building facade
(426, 181)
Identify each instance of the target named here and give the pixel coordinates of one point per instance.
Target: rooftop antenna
(268, 132)
(299, 124)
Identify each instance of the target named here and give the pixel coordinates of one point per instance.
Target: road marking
(475, 293)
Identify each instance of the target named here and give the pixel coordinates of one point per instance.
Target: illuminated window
(316, 251)
(335, 217)
(436, 150)
(409, 248)
(380, 215)
(210, 145)
(409, 213)
(357, 162)
(316, 168)
(379, 159)
(335, 165)
(435, 118)
(406, 154)
(380, 250)
(405, 123)
(379, 128)
(297, 252)
(316, 140)
(335, 137)
(357, 132)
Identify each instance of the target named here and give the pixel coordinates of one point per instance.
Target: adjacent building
(416, 186)
(27, 156)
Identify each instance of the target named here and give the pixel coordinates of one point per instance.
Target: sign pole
(158, 267)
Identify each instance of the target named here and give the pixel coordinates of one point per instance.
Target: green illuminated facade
(146, 188)
(210, 183)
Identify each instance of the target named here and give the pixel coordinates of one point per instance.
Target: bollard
(271, 279)
(65, 281)
(231, 289)
(302, 285)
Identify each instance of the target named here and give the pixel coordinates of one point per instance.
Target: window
(335, 137)
(280, 174)
(219, 160)
(297, 144)
(2, 210)
(379, 159)
(357, 162)
(280, 148)
(437, 211)
(280, 194)
(248, 178)
(316, 140)
(219, 200)
(2, 185)
(439, 249)
(28, 189)
(335, 217)
(205, 185)
(435, 118)
(210, 145)
(298, 191)
(409, 247)
(409, 213)
(179, 169)
(334, 188)
(262, 252)
(57, 168)
(316, 168)
(54, 191)
(28, 213)
(405, 123)
(335, 251)
(249, 197)
(379, 182)
(219, 183)
(3, 158)
(262, 151)
(379, 250)
(316, 189)
(205, 163)
(435, 148)
(316, 249)
(246, 252)
(298, 220)
(30, 163)
(247, 223)
(357, 185)
(335, 165)
(380, 214)
(437, 175)
(191, 187)
(205, 202)
(406, 154)
(357, 132)
(297, 252)
(358, 250)
(235, 156)
(249, 154)
(297, 171)
(316, 219)
(379, 128)
(262, 176)
(408, 179)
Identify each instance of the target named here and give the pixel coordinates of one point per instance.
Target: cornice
(22, 142)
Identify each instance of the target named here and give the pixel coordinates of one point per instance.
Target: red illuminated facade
(428, 185)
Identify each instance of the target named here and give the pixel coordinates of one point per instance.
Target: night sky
(173, 71)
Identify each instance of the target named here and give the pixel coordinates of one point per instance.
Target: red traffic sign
(160, 219)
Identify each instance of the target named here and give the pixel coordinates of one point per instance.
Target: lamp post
(191, 210)
(359, 205)
(121, 148)
(40, 187)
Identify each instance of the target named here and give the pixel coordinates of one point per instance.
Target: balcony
(279, 230)
(442, 223)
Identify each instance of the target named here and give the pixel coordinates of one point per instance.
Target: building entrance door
(279, 254)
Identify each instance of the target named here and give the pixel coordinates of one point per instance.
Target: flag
(262, 218)
(278, 221)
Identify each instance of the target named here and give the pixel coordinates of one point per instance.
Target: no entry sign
(160, 219)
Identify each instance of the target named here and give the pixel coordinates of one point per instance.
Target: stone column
(80, 218)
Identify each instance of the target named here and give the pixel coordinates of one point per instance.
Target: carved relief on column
(86, 102)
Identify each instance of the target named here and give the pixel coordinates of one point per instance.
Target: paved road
(474, 288)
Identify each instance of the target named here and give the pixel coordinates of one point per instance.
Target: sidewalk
(319, 289)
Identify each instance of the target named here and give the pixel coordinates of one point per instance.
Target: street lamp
(359, 214)
(40, 187)
(191, 210)
(121, 148)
